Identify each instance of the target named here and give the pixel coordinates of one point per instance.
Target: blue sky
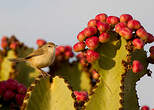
(61, 20)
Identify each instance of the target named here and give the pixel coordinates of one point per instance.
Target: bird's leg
(44, 73)
(40, 71)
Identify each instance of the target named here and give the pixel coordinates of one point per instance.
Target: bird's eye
(49, 46)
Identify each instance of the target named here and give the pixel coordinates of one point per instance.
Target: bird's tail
(16, 59)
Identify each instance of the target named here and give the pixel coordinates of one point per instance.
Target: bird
(40, 58)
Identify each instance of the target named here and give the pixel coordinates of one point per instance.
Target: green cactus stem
(116, 89)
(72, 72)
(46, 95)
(20, 71)
(7, 67)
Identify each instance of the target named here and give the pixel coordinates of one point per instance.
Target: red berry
(152, 55)
(103, 27)
(101, 17)
(125, 18)
(95, 74)
(21, 89)
(104, 37)
(150, 38)
(126, 33)
(19, 98)
(137, 66)
(68, 54)
(138, 43)
(79, 46)
(61, 49)
(92, 23)
(134, 24)
(151, 49)
(119, 26)
(40, 42)
(89, 31)
(4, 38)
(2, 87)
(8, 95)
(81, 36)
(80, 55)
(11, 84)
(92, 56)
(14, 45)
(4, 44)
(81, 96)
(57, 52)
(145, 108)
(83, 62)
(113, 20)
(92, 42)
(68, 48)
(142, 34)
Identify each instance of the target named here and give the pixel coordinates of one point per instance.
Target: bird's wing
(37, 52)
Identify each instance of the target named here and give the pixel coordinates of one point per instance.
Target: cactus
(19, 71)
(55, 95)
(103, 76)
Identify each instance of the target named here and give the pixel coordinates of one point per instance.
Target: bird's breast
(44, 60)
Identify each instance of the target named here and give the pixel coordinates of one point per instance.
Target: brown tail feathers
(16, 59)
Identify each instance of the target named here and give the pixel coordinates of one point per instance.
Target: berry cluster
(11, 43)
(64, 53)
(12, 93)
(98, 31)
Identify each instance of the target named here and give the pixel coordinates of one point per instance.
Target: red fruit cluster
(87, 57)
(40, 42)
(99, 28)
(64, 52)
(11, 90)
(11, 43)
(81, 96)
(82, 59)
(129, 26)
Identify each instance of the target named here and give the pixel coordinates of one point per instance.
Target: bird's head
(49, 46)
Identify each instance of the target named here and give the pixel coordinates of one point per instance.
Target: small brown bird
(40, 58)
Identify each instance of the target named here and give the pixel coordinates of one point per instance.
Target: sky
(61, 20)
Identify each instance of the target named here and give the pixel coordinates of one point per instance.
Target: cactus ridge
(7, 67)
(72, 72)
(50, 89)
